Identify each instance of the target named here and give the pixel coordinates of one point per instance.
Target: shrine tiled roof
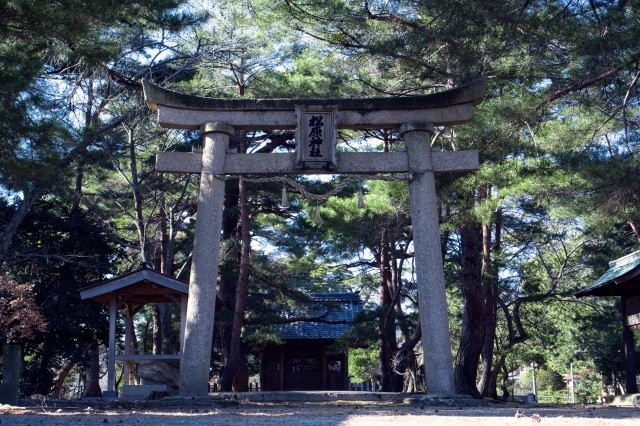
(334, 312)
(618, 279)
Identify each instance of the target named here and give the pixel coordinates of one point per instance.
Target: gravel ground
(308, 414)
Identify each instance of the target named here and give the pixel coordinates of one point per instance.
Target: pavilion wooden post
(631, 386)
(282, 367)
(198, 334)
(128, 367)
(434, 317)
(111, 356)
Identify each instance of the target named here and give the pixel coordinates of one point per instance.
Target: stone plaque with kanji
(315, 138)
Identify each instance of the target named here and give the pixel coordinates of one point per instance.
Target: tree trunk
(92, 384)
(241, 378)
(231, 366)
(28, 198)
(228, 268)
(489, 374)
(387, 331)
(168, 231)
(137, 199)
(635, 229)
(472, 336)
(62, 376)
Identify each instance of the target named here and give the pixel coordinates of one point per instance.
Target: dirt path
(318, 414)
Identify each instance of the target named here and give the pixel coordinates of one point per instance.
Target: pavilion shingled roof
(143, 285)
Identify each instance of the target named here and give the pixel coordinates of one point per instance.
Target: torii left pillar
(198, 336)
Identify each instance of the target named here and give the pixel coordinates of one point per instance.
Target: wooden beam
(143, 358)
(131, 280)
(147, 291)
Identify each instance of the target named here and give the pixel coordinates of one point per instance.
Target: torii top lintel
(182, 111)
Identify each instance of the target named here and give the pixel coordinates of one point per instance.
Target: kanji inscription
(315, 138)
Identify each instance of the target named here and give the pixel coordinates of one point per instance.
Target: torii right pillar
(434, 316)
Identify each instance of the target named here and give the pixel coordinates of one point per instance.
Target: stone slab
(472, 92)
(347, 163)
(629, 400)
(109, 394)
(353, 396)
(142, 391)
(178, 118)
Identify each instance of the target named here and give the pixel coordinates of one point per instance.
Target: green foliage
(589, 387)
(546, 380)
(553, 397)
(363, 364)
(60, 252)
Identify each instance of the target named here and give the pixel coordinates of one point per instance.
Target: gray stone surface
(347, 162)
(144, 391)
(194, 369)
(627, 400)
(434, 318)
(182, 111)
(472, 92)
(179, 118)
(333, 396)
(177, 110)
(159, 373)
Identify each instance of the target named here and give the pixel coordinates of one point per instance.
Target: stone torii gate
(316, 122)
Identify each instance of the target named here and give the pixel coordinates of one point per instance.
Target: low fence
(542, 398)
(364, 387)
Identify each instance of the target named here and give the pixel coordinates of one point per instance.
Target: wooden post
(631, 385)
(128, 330)
(111, 355)
(282, 366)
(345, 370)
(325, 368)
(11, 365)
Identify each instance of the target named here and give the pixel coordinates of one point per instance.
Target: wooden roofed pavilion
(622, 279)
(130, 292)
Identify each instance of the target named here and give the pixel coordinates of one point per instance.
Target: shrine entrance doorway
(316, 122)
(303, 365)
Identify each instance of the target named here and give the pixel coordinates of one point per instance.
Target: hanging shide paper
(317, 219)
(284, 202)
(360, 199)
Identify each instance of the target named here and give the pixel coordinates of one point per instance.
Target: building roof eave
(618, 279)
